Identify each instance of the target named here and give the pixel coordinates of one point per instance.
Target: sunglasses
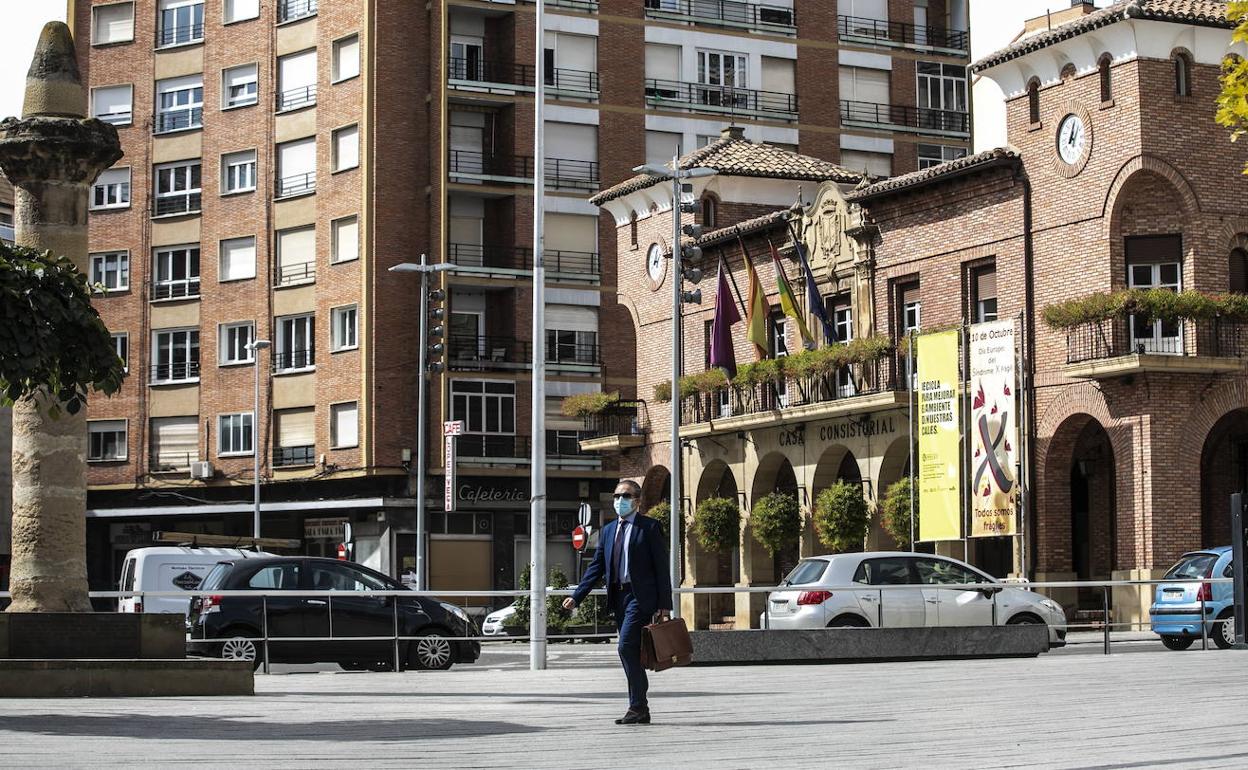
(624, 495)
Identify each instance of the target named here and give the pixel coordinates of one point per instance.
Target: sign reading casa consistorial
(993, 485)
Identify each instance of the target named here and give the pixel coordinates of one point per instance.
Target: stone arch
(1146, 163)
(1223, 471)
(894, 466)
(656, 487)
(1217, 402)
(775, 473)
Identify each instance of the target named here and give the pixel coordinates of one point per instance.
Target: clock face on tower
(1072, 140)
(656, 265)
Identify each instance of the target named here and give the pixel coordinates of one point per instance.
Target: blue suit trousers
(630, 618)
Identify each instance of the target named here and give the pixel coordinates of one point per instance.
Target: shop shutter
(296, 427)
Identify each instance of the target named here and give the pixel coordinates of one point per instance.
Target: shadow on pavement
(206, 728)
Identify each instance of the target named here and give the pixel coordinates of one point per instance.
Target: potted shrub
(842, 517)
(717, 523)
(776, 521)
(895, 513)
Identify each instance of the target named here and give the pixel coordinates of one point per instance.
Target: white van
(170, 568)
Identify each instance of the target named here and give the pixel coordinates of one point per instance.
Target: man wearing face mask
(632, 560)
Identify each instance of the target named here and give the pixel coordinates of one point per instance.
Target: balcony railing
(289, 10)
(486, 71)
(572, 80)
(572, 174)
(177, 371)
(900, 33)
(726, 13)
(286, 456)
(521, 258)
(298, 184)
(480, 446)
(169, 462)
(487, 353)
(626, 418)
(300, 272)
(296, 98)
(178, 120)
(1113, 338)
(578, 262)
(587, 6)
(473, 163)
(883, 376)
(180, 34)
(164, 205)
(574, 354)
(921, 119)
(726, 100)
(294, 360)
(182, 288)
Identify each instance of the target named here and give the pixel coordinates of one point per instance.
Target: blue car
(1175, 612)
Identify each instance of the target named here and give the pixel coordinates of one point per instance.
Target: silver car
(811, 601)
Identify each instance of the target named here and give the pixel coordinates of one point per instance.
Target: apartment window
(175, 356)
(942, 86)
(296, 80)
(121, 345)
(296, 437)
(710, 211)
(346, 148)
(111, 190)
(1106, 77)
(346, 62)
(935, 154)
(346, 239)
(238, 259)
(296, 343)
(239, 86)
(232, 347)
(181, 22)
(240, 10)
(235, 434)
(344, 421)
(177, 188)
(1033, 101)
(1155, 262)
(484, 406)
(179, 104)
(721, 72)
(865, 84)
(111, 271)
(289, 10)
(777, 333)
(296, 167)
(467, 59)
(113, 104)
(1182, 74)
(984, 284)
(910, 315)
(841, 314)
(296, 255)
(175, 443)
(875, 164)
(564, 346)
(632, 229)
(107, 440)
(238, 172)
(1238, 271)
(175, 272)
(112, 24)
(343, 328)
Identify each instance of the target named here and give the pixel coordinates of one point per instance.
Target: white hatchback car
(814, 600)
(494, 622)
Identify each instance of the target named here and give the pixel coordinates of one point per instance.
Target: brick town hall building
(1116, 177)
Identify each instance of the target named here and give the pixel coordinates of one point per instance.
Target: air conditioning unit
(202, 470)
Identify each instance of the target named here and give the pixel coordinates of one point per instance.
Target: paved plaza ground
(1142, 708)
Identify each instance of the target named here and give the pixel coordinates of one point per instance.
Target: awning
(217, 509)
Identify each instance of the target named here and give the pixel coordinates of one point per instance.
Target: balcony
(575, 83)
(298, 184)
(621, 426)
(178, 120)
(859, 389)
(492, 449)
(294, 361)
(488, 354)
(165, 205)
(175, 372)
(182, 288)
(180, 34)
(898, 34)
(475, 166)
(292, 456)
(902, 117)
(296, 98)
(516, 261)
(564, 174)
(301, 272)
(1108, 349)
(292, 10)
(584, 6)
(574, 357)
(721, 100)
(490, 76)
(731, 14)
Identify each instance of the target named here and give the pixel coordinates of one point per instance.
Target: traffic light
(436, 331)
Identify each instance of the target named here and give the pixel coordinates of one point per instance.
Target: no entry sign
(579, 538)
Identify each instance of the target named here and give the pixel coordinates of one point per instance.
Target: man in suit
(632, 560)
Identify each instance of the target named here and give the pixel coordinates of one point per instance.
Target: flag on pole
(788, 302)
(756, 311)
(814, 300)
(726, 314)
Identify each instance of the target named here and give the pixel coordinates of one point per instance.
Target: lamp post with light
(255, 346)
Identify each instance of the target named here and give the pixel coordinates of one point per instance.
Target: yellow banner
(939, 500)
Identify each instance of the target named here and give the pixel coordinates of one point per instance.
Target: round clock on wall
(656, 265)
(1073, 141)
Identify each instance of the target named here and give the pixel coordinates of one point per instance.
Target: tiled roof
(732, 155)
(1209, 13)
(994, 157)
(747, 227)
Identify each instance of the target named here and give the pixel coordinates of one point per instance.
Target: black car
(233, 626)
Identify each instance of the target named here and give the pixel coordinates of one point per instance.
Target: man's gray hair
(636, 487)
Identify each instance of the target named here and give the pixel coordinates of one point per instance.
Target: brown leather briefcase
(666, 644)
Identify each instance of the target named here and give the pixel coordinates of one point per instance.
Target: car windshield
(216, 576)
(1193, 566)
(807, 572)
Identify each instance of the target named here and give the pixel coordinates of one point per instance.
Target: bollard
(1105, 615)
(394, 601)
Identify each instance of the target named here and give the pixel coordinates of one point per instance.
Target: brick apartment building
(1136, 430)
(281, 155)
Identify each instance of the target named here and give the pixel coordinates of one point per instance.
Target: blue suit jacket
(647, 565)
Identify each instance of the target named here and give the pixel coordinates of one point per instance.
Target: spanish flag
(756, 311)
(788, 301)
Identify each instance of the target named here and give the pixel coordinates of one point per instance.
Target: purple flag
(726, 314)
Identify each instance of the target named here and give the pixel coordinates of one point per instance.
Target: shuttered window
(346, 234)
(175, 442)
(113, 104)
(344, 425)
(346, 58)
(984, 281)
(296, 167)
(113, 24)
(238, 259)
(346, 148)
(296, 80)
(296, 427)
(296, 255)
(662, 61)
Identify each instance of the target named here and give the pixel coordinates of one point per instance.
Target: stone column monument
(52, 155)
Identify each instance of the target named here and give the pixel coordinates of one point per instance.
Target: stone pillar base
(1131, 603)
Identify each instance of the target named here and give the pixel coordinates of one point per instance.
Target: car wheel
(1177, 643)
(849, 621)
(431, 651)
(241, 648)
(1224, 631)
(1024, 620)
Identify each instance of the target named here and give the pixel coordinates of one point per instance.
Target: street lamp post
(679, 297)
(424, 269)
(255, 346)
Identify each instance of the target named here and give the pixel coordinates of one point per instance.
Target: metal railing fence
(720, 98)
(918, 118)
(901, 33)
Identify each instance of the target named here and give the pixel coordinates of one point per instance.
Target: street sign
(450, 430)
(452, 427)
(579, 538)
(342, 551)
(583, 513)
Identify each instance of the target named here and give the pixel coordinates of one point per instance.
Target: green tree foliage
(842, 517)
(662, 512)
(556, 616)
(50, 335)
(717, 523)
(1233, 100)
(895, 513)
(776, 521)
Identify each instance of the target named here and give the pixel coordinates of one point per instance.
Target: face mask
(623, 506)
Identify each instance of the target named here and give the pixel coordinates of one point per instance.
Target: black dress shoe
(634, 717)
